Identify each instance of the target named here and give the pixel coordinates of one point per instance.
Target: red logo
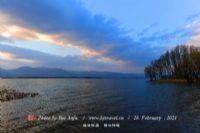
(31, 117)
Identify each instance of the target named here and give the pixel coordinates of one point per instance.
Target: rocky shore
(7, 94)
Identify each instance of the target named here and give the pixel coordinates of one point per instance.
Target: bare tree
(183, 62)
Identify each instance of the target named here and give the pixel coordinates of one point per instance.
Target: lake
(96, 97)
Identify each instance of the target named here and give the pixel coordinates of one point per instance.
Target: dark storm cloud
(68, 17)
(72, 21)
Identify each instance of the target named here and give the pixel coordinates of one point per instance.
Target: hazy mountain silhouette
(40, 72)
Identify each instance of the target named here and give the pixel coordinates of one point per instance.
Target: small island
(182, 64)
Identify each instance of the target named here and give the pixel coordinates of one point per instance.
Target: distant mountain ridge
(41, 72)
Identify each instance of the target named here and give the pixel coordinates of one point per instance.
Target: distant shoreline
(172, 81)
(71, 77)
(182, 81)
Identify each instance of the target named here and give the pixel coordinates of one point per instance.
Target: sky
(97, 35)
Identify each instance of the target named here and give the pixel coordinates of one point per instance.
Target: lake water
(95, 97)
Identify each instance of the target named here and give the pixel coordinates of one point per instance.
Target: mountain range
(41, 72)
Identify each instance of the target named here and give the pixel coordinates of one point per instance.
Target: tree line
(183, 62)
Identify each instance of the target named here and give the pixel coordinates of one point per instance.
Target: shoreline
(182, 81)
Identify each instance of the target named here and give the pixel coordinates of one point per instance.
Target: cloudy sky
(102, 35)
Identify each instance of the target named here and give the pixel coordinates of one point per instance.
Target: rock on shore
(7, 94)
